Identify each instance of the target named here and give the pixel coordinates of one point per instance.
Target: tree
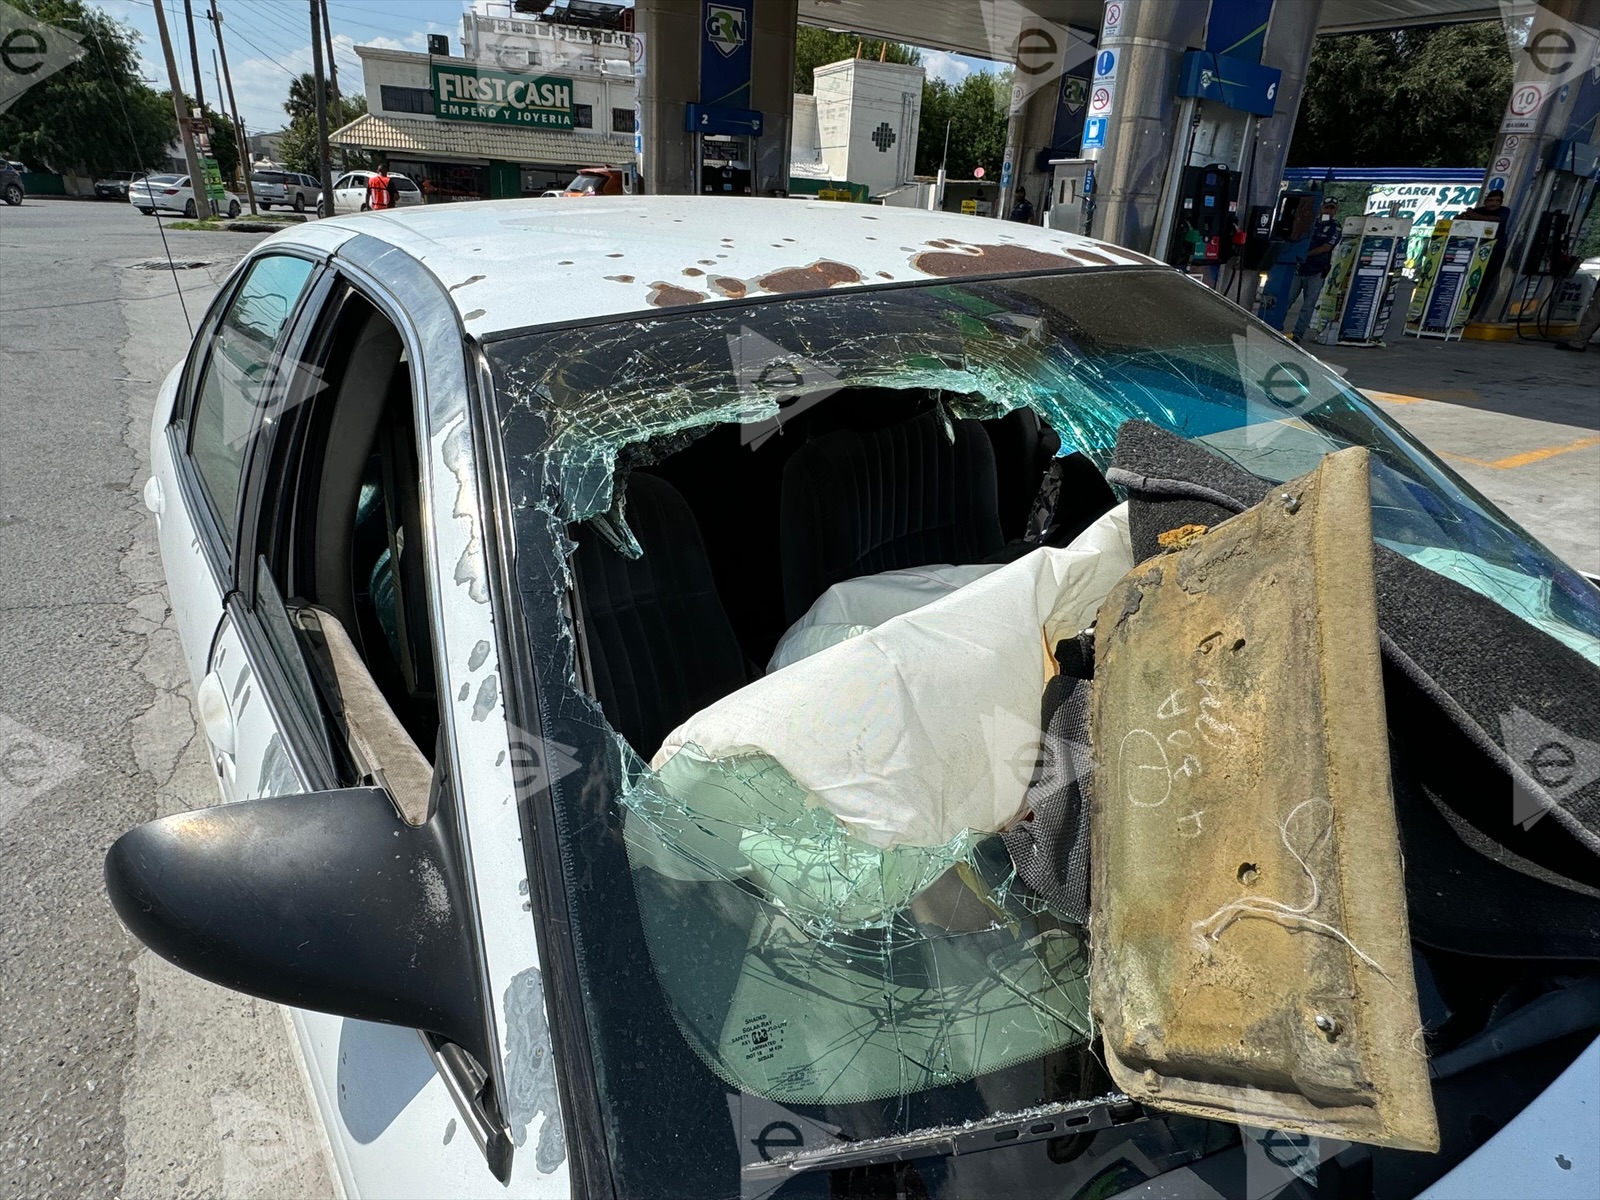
(224, 144)
(815, 48)
(302, 100)
(1413, 97)
(96, 115)
(975, 111)
(299, 149)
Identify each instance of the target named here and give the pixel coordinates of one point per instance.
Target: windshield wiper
(973, 1137)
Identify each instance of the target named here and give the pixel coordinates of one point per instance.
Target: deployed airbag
(926, 727)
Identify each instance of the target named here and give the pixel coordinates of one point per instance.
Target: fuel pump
(725, 165)
(1203, 233)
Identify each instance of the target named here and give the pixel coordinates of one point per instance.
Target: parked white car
(350, 193)
(172, 194)
(478, 536)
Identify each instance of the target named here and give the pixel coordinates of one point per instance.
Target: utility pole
(322, 104)
(333, 77)
(180, 107)
(194, 56)
(233, 106)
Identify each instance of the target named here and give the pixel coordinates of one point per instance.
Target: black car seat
(856, 502)
(659, 641)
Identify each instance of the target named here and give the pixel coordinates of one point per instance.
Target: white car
(172, 194)
(477, 537)
(350, 193)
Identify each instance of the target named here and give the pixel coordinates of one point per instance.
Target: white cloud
(941, 64)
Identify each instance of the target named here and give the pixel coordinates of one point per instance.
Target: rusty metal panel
(1251, 958)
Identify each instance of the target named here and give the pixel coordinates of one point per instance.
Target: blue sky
(269, 43)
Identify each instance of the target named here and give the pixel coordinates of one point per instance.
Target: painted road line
(1527, 457)
(1440, 395)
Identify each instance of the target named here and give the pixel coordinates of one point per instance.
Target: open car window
(839, 941)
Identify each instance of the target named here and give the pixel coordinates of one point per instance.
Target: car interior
(348, 542)
(740, 539)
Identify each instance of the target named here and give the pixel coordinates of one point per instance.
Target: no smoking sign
(1100, 102)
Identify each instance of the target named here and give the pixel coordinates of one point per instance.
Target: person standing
(1588, 323)
(378, 189)
(1022, 210)
(1313, 273)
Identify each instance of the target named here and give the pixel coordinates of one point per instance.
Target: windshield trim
(637, 314)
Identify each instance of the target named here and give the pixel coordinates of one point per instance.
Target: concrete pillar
(772, 91)
(671, 80)
(1291, 35)
(1561, 42)
(1142, 129)
(672, 32)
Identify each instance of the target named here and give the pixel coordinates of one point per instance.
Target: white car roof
(511, 264)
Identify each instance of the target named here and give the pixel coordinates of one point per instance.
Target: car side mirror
(325, 901)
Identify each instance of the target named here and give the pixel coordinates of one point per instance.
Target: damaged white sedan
(963, 712)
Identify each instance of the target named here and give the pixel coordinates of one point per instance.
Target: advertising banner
(1380, 241)
(215, 192)
(725, 58)
(1427, 269)
(1325, 322)
(1426, 204)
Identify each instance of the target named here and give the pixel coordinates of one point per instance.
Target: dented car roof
(519, 263)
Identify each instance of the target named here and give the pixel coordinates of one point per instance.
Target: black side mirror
(327, 901)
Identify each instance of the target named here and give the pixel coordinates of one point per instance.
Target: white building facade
(523, 107)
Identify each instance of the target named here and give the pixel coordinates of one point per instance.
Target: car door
(201, 433)
(342, 514)
(350, 193)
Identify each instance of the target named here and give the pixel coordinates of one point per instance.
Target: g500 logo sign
(30, 51)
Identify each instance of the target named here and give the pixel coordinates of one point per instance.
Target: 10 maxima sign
(469, 94)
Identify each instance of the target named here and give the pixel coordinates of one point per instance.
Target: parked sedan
(115, 185)
(172, 194)
(834, 699)
(287, 189)
(11, 189)
(350, 193)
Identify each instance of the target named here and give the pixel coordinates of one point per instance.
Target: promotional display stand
(1356, 300)
(1451, 272)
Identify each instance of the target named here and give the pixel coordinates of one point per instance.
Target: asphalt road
(121, 1076)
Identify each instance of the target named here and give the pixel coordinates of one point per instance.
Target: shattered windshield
(786, 806)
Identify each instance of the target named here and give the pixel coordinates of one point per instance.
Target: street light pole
(180, 108)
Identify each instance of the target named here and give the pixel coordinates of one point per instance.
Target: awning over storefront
(460, 139)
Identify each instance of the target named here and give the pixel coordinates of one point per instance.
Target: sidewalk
(1520, 421)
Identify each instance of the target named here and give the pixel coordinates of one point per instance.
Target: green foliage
(299, 149)
(224, 145)
(1414, 97)
(975, 111)
(96, 115)
(815, 48)
(302, 100)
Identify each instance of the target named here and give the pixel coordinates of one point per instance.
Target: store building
(518, 112)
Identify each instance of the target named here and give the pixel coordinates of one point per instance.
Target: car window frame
(222, 556)
(343, 279)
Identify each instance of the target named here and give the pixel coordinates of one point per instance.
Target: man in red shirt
(378, 189)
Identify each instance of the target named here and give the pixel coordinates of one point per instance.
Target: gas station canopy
(960, 27)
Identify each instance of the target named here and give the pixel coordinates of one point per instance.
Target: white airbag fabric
(857, 605)
(928, 725)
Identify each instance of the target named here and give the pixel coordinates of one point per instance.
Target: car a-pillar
(730, 60)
